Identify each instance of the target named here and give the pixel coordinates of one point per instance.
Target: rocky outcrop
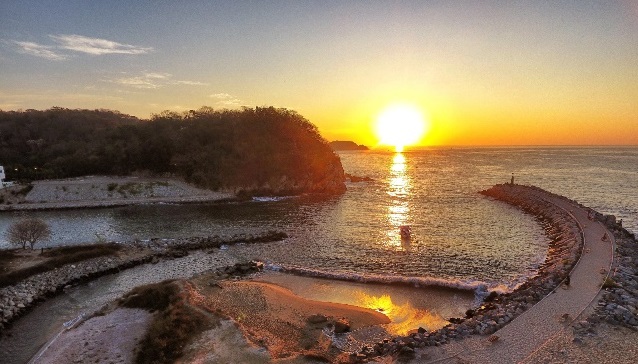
(331, 182)
(347, 145)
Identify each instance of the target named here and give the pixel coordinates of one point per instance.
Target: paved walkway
(537, 326)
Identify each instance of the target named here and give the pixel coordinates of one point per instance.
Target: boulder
(317, 319)
(341, 325)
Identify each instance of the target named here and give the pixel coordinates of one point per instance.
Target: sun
(400, 125)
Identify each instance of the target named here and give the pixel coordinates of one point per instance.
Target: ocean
(459, 237)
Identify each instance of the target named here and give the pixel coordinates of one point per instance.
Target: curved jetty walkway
(536, 327)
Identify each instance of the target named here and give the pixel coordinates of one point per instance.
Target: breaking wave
(478, 287)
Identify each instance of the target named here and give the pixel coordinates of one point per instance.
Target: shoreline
(105, 192)
(498, 310)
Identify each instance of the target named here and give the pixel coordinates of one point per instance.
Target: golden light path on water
(404, 318)
(405, 306)
(399, 209)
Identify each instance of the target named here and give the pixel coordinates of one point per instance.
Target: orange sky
(485, 73)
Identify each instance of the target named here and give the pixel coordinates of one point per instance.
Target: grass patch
(130, 187)
(174, 325)
(58, 258)
(111, 186)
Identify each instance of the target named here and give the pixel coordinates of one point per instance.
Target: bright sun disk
(400, 125)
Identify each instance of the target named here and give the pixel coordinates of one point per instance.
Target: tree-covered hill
(260, 150)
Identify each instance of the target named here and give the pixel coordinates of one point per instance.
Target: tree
(28, 230)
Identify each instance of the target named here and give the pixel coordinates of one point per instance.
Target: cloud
(225, 99)
(221, 96)
(153, 80)
(96, 46)
(137, 82)
(39, 50)
(190, 83)
(64, 43)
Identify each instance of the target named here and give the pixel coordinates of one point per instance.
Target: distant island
(347, 145)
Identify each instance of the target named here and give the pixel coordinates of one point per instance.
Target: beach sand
(274, 318)
(105, 191)
(111, 338)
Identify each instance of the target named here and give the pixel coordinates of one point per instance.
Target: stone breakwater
(619, 302)
(18, 299)
(498, 309)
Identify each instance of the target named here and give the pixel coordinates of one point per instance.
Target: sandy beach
(284, 323)
(104, 191)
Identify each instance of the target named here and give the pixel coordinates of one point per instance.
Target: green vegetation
(609, 283)
(132, 188)
(175, 323)
(258, 148)
(58, 258)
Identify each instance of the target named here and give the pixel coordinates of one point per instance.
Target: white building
(3, 184)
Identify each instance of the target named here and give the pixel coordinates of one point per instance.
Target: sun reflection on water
(404, 318)
(399, 186)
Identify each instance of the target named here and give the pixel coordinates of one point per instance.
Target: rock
(406, 352)
(317, 319)
(341, 325)
(422, 330)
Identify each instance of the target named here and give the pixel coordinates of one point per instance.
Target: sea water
(459, 237)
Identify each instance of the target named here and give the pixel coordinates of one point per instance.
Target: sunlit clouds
(153, 80)
(63, 43)
(225, 100)
(39, 50)
(96, 46)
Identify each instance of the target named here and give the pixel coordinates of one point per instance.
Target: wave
(478, 287)
(270, 198)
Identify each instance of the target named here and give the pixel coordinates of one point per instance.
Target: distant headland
(347, 145)
(258, 151)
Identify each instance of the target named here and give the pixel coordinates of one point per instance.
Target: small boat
(405, 231)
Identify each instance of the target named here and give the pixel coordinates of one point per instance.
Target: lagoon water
(459, 237)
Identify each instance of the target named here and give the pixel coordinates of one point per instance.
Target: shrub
(28, 231)
(174, 325)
